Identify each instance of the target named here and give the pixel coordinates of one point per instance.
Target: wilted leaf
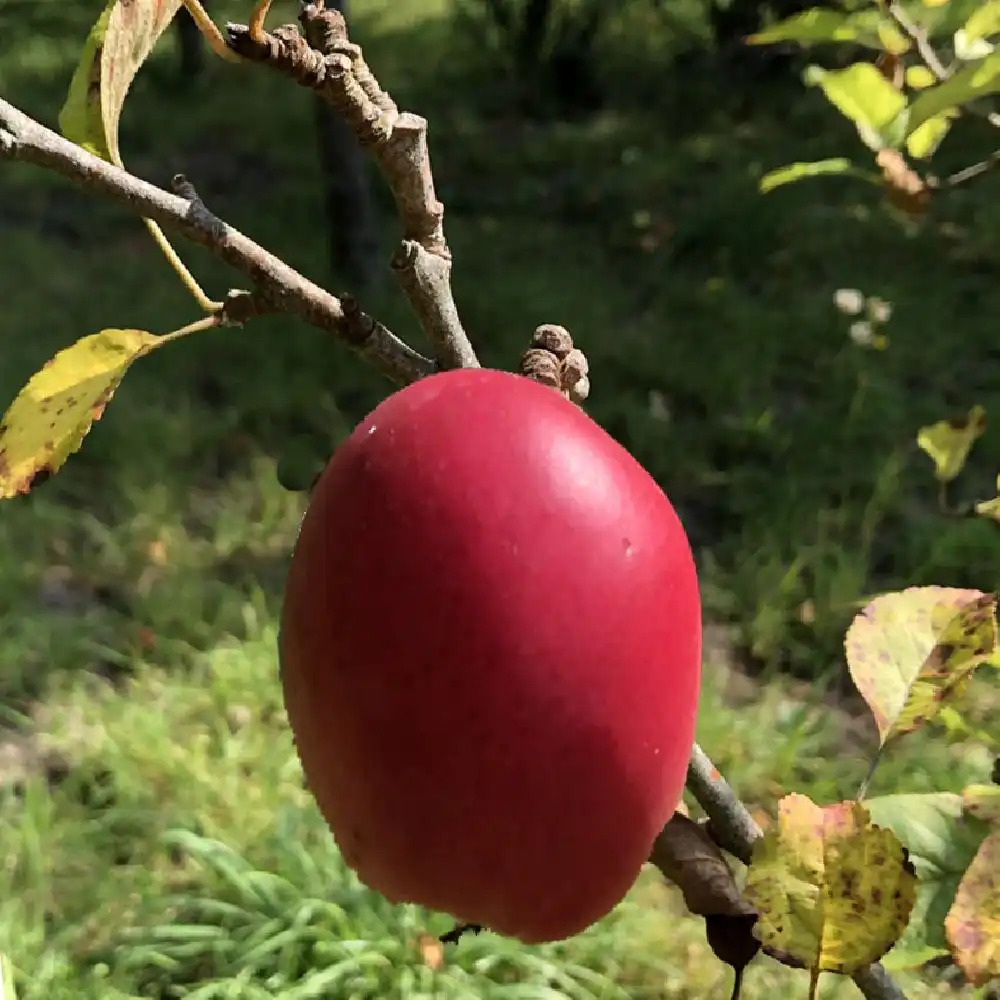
(910, 650)
(948, 442)
(431, 951)
(867, 98)
(799, 171)
(975, 80)
(941, 842)
(689, 858)
(119, 44)
(822, 25)
(983, 802)
(973, 923)
(833, 892)
(52, 414)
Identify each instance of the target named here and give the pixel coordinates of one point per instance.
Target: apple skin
(490, 652)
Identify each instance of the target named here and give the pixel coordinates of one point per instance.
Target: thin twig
(733, 828)
(277, 286)
(327, 62)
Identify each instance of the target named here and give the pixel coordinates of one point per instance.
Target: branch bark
(277, 287)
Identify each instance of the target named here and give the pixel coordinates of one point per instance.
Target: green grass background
(177, 853)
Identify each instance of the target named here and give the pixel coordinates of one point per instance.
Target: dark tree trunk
(192, 50)
(350, 212)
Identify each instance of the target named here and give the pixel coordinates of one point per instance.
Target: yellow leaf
(833, 892)
(983, 22)
(119, 44)
(924, 141)
(973, 922)
(990, 508)
(52, 414)
(982, 801)
(948, 442)
(919, 77)
(909, 651)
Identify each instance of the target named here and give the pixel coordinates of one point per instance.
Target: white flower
(862, 333)
(849, 301)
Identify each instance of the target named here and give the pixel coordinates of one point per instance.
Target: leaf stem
(189, 281)
(210, 32)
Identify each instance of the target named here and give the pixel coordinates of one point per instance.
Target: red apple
(490, 652)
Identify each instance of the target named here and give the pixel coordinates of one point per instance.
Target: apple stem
(452, 936)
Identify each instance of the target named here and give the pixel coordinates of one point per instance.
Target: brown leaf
(688, 857)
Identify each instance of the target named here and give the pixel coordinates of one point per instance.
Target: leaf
(908, 651)
(80, 119)
(52, 414)
(948, 442)
(924, 142)
(983, 802)
(118, 45)
(833, 892)
(956, 725)
(977, 79)
(919, 77)
(982, 23)
(973, 923)
(940, 842)
(7, 989)
(799, 171)
(990, 508)
(689, 858)
(822, 25)
(862, 94)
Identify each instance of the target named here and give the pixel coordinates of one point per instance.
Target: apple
(490, 654)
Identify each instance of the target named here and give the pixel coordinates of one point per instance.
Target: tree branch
(734, 829)
(327, 62)
(277, 287)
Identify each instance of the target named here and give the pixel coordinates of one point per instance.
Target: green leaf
(53, 413)
(118, 45)
(80, 119)
(941, 842)
(822, 26)
(977, 79)
(816, 168)
(867, 98)
(908, 652)
(7, 990)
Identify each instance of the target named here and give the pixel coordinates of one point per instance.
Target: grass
(153, 830)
